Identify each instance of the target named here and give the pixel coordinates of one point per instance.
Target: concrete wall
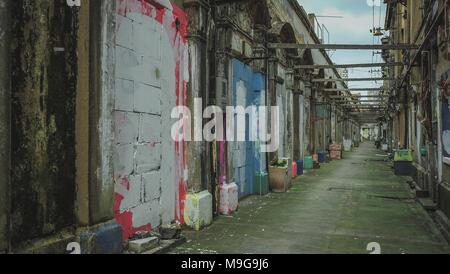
(420, 124)
(289, 11)
(101, 81)
(322, 125)
(61, 63)
(298, 133)
(198, 27)
(43, 163)
(284, 10)
(82, 128)
(5, 95)
(150, 169)
(281, 103)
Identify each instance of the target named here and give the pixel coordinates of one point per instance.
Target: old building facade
(87, 113)
(418, 116)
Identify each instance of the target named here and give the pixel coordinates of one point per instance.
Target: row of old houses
(88, 94)
(418, 99)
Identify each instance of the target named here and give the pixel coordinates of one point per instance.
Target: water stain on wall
(43, 106)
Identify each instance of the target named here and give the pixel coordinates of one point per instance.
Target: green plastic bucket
(261, 183)
(308, 163)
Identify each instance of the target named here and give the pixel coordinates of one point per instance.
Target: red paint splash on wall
(222, 163)
(180, 23)
(180, 149)
(175, 25)
(182, 192)
(151, 9)
(178, 28)
(125, 183)
(125, 219)
(160, 13)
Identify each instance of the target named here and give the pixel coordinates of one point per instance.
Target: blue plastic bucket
(299, 168)
(322, 157)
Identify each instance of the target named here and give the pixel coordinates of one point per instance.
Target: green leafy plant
(280, 163)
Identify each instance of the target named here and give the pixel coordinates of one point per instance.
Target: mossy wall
(43, 120)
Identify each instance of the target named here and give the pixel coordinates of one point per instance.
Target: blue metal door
(248, 90)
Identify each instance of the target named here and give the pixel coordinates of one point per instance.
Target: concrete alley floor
(340, 208)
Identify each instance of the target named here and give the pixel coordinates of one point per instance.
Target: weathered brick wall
(150, 80)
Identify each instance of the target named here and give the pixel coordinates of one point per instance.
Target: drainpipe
(5, 118)
(272, 96)
(267, 93)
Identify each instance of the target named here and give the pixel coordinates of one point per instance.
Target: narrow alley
(339, 208)
(195, 127)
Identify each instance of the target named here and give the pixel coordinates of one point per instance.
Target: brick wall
(150, 81)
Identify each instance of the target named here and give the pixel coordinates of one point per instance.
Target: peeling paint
(145, 150)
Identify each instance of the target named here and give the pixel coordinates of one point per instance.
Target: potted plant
(280, 175)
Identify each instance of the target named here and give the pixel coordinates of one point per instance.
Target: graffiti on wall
(151, 74)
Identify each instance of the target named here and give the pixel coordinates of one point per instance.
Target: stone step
(443, 223)
(142, 245)
(166, 246)
(418, 191)
(428, 204)
(422, 193)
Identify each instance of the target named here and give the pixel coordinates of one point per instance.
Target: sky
(353, 28)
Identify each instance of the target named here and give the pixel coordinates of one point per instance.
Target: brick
(142, 245)
(149, 72)
(136, 17)
(151, 185)
(132, 196)
(147, 99)
(124, 35)
(124, 95)
(126, 127)
(123, 160)
(127, 63)
(150, 129)
(147, 214)
(198, 210)
(148, 37)
(148, 157)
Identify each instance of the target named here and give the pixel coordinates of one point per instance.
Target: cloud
(372, 3)
(353, 28)
(353, 25)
